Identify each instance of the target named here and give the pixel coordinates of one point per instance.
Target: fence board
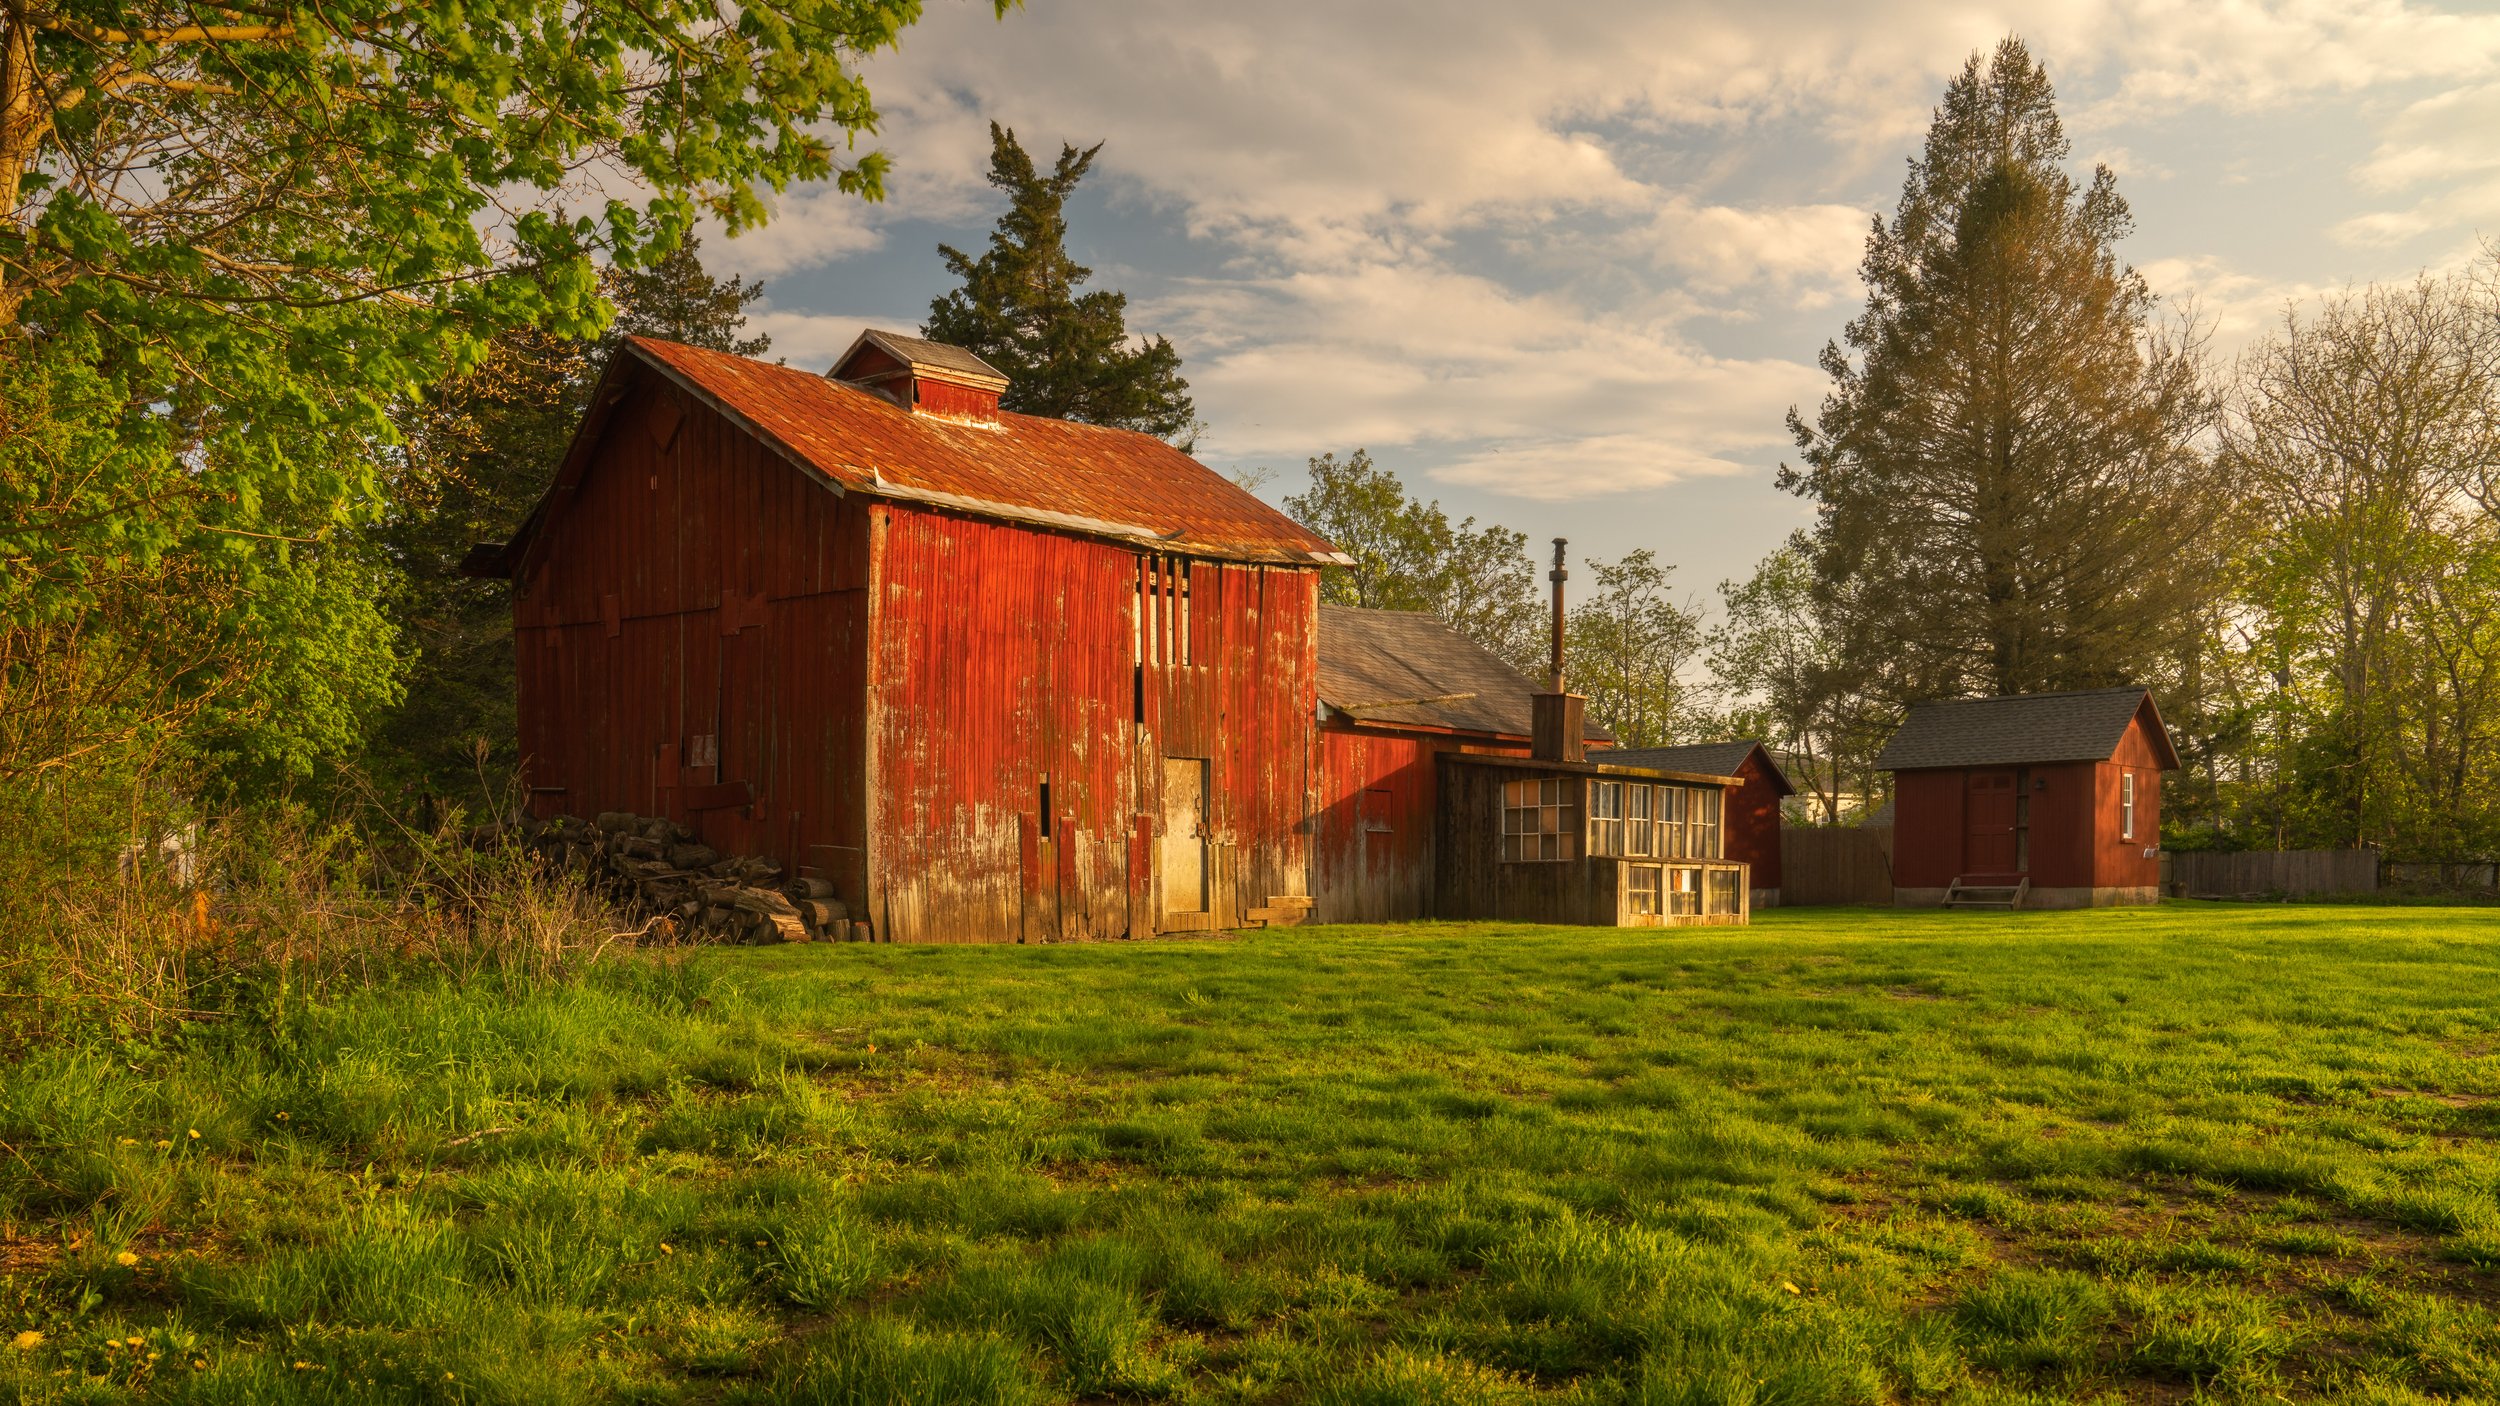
(2291, 873)
(1822, 865)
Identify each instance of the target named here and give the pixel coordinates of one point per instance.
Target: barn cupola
(924, 377)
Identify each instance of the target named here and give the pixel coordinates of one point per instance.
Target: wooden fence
(1830, 864)
(2288, 873)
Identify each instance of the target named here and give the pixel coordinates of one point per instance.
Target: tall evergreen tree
(2009, 493)
(1067, 354)
(479, 451)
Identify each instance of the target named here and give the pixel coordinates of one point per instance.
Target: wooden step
(1964, 894)
(1290, 900)
(1273, 916)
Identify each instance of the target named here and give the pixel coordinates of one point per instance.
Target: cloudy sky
(1566, 267)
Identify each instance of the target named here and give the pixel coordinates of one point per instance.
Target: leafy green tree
(1066, 354)
(1629, 642)
(476, 454)
(1791, 686)
(231, 241)
(1408, 555)
(2009, 491)
(2367, 432)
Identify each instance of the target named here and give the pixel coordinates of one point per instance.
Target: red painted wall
(698, 587)
(1752, 821)
(1002, 655)
(2118, 861)
(1373, 849)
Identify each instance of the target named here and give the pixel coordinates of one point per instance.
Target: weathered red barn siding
(1004, 656)
(696, 586)
(1373, 848)
(1240, 692)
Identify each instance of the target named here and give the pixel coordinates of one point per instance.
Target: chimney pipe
(1558, 576)
(1556, 716)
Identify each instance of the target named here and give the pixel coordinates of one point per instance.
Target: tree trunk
(22, 125)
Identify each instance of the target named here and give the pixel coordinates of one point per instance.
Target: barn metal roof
(1714, 758)
(1089, 479)
(921, 354)
(2083, 726)
(1408, 668)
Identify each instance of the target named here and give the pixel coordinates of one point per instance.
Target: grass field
(2238, 1153)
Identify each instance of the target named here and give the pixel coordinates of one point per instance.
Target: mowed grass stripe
(2242, 1152)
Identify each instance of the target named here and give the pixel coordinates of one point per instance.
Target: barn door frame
(1184, 847)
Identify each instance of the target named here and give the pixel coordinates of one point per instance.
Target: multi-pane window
(1532, 821)
(1673, 802)
(1704, 841)
(1684, 892)
(1638, 833)
(2126, 805)
(1722, 895)
(1606, 817)
(1641, 890)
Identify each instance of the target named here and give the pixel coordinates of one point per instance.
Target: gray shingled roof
(1374, 666)
(2029, 727)
(920, 351)
(1708, 758)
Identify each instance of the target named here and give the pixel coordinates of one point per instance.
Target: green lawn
(2243, 1152)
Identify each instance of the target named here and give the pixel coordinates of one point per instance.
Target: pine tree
(2009, 491)
(1066, 354)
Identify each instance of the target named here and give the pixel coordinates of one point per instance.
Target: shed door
(1991, 812)
(1184, 835)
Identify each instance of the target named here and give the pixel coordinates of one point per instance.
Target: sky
(1567, 268)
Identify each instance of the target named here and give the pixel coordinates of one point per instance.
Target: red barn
(1753, 806)
(2046, 800)
(1397, 688)
(996, 677)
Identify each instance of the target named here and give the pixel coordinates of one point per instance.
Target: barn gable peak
(927, 378)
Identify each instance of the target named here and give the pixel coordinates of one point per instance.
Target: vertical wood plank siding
(1004, 655)
(737, 591)
(1374, 825)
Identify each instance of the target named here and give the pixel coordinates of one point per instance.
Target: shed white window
(1605, 817)
(2126, 805)
(1637, 836)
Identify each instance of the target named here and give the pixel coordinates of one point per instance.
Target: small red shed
(994, 677)
(1753, 807)
(2044, 800)
(1397, 688)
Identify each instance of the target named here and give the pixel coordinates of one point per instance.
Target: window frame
(2126, 805)
(1605, 817)
(1541, 820)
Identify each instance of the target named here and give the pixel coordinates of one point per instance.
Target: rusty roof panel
(1083, 478)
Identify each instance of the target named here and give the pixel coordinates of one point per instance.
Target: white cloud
(1657, 176)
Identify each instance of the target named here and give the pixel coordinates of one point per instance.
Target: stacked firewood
(654, 867)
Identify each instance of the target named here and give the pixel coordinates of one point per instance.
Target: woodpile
(654, 867)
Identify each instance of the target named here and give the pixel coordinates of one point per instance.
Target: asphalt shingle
(1408, 667)
(2083, 726)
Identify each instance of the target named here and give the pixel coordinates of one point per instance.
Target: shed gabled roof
(2084, 726)
(1059, 474)
(1408, 668)
(1714, 758)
